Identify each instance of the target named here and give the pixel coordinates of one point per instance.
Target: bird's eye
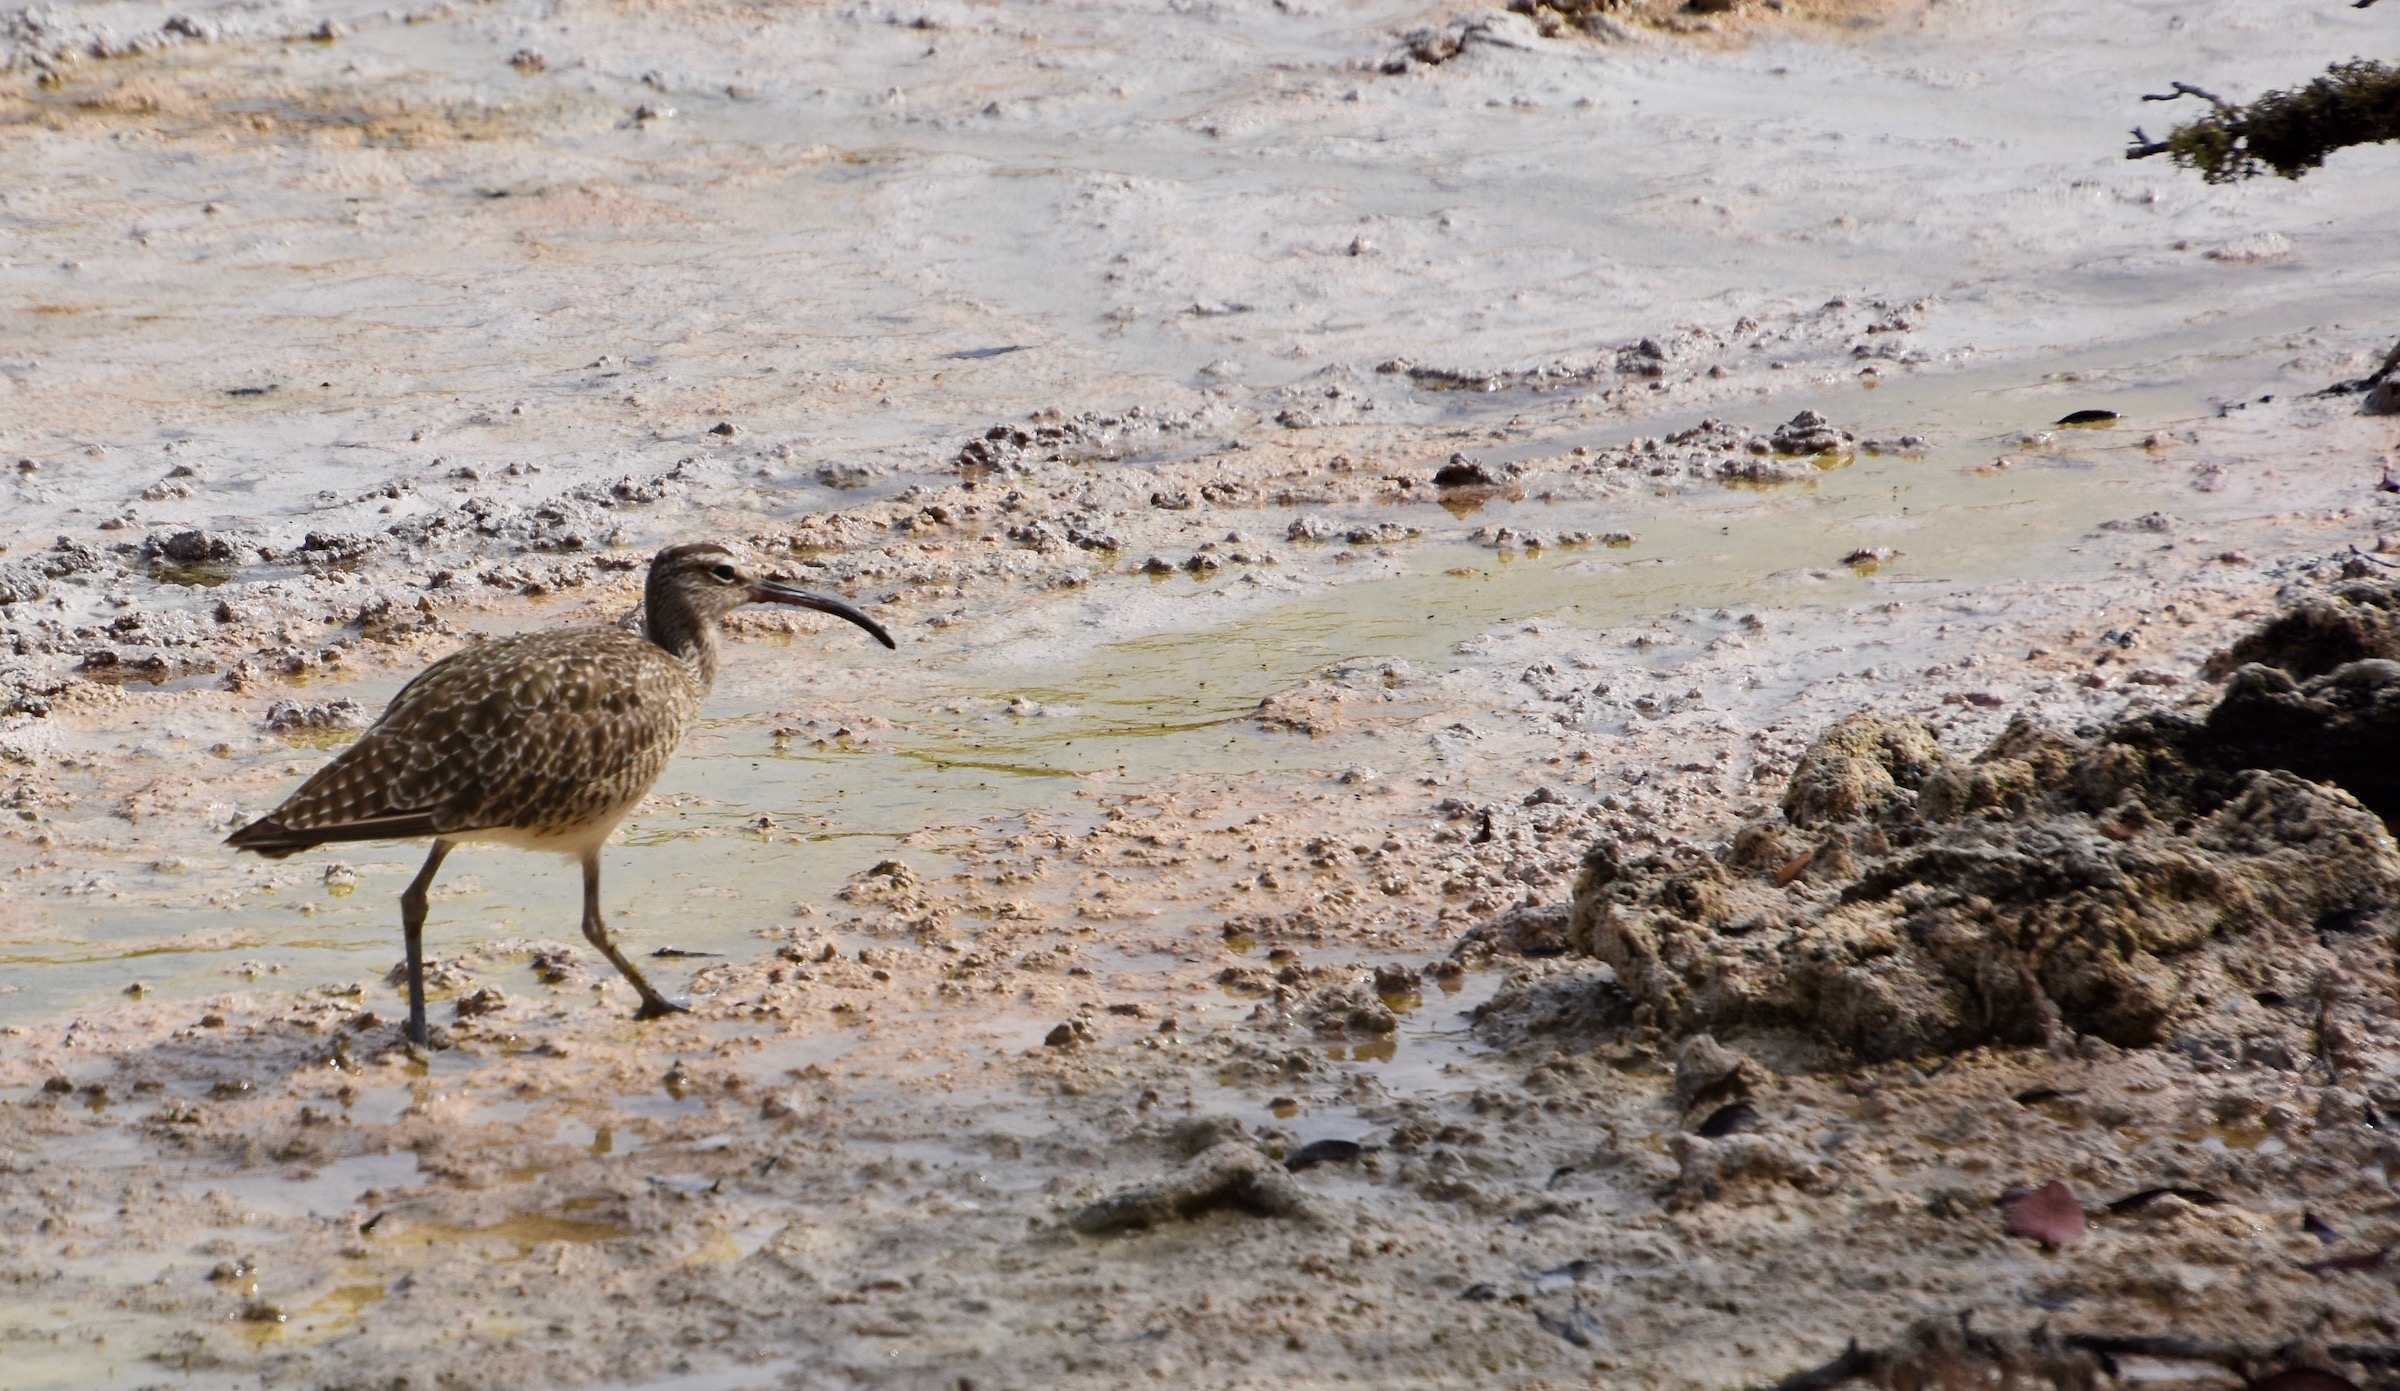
(725, 573)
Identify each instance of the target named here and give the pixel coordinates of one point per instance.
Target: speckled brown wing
(540, 733)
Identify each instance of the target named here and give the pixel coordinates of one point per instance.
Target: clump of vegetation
(2290, 131)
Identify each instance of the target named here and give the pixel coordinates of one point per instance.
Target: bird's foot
(659, 1007)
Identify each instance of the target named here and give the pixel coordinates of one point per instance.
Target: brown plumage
(542, 740)
(538, 737)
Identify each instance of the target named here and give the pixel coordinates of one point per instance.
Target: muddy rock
(286, 716)
(1228, 1177)
(1075, 1033)
(1195, 1135)
(1009, 449)
(1353, 1010)
(1707, 1073)
(2317, 631)
(1463, 472)
(1683, 893)
(1753, 469)
(1526, 930)
(1760, 845)
(1858, 766)
(2343, 726)
(190, 548)
(1811, 433)
(337, 548)
(2013, 931)
(22, 582)
(2381, 386)
(847, 474)
(1950, 1351)
(558, 966)
(2000, 781)
(1738, 1167)
(2141, 884)
(490, 999)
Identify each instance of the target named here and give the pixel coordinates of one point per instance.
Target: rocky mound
(2316, 631)
(2224, 885)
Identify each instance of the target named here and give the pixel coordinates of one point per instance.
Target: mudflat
(1584, 697)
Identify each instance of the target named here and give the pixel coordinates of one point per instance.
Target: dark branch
(2186, 89)
(2143, 146)
(2289, 131)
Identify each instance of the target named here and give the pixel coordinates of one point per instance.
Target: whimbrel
(541, 740)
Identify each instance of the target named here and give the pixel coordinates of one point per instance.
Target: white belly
(574, 842)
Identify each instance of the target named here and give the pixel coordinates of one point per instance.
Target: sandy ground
(1090, 992)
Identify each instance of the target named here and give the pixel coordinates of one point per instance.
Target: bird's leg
(412, 922)
(596, 932)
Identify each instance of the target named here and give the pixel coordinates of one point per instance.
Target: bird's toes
(659, 1007)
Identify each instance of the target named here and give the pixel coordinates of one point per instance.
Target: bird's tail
(270, 837)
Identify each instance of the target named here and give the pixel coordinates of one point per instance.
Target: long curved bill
(777, 592)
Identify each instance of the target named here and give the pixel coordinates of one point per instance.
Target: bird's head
(708, 581)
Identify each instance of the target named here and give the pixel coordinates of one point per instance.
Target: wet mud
(2136, 884)
(1319, 1051)
(1505, 767)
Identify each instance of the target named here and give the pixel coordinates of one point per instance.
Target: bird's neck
(686, 636)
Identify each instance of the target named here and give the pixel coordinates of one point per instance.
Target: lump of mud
(1857, 768)
(1811, 433)
(1463, 472)
(1753, 469)
(1196, 1135)
(2169, 881)
(286, 716)
(1946, 1351)
(1231, 1176)
(1708, 1072)
(22, 583)
(2317, 631)
(1709, 1170)
(2341, 727)
(190, 548)
(1525, 930)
